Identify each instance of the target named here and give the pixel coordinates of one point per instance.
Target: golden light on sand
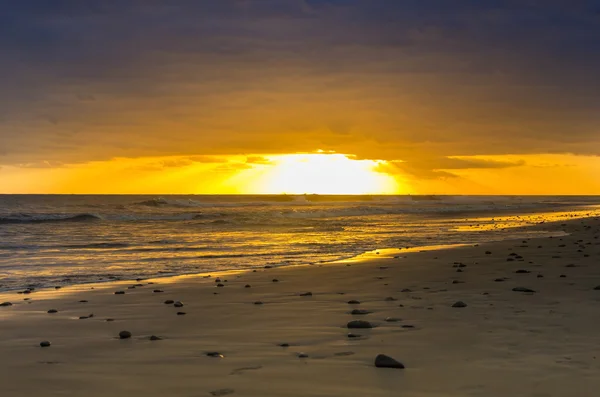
(324, 174)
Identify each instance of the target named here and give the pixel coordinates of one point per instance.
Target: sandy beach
(262, 334)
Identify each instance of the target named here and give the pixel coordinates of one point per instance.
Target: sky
(336, 96)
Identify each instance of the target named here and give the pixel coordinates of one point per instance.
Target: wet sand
(273, 338)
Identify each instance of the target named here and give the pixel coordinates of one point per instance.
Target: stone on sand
(154, 337)
(359, 324)
(5, 304)
(169, 302)
(306, 294)
(119, 292)
(124, 335)
(359, 312)
(383, 361)
(459, 304)
(523, 289)
(353, 302)
(178, 304)
(45, 344)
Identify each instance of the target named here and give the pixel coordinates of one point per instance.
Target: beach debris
(302, 355)
(275, 280)
(5, 304)
(214, 354)
(353, 302)
(306, 294)
(222, 392)
(178, 304)
(283, 344)
(220, 285)
(499, 280)
(359, 312)
(158, 291)
(181, 313)
(359, 324)
(45, 344)
(459, 304)
(523, 289)
(247, 286)
(83, 301)
(383, 361)
(540, 276)
(124, 335)
(392, 319)
(522, 271)
(258, 303)
(488, 252)
(154, 337)
(408, 326)
(563, 276)
(119, 292)
(108, 320)
(169, 302)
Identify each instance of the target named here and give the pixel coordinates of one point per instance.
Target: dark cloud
(441, 167)
(391, 79)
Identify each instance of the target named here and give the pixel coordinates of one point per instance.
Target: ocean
(53, 240)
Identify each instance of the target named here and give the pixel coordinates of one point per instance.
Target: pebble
(157, 291)
(247, 286)
(459, 304)
(302, 355)
(83, 301)
(275, 280)
(359, 312)
(169, 302)
(45, 344)
(178, 304)
(124, 335)
(383, 361)
(284, 345)
(306, 294)
(522, 271)
(220, 285)
(392, 319)
(359, 324)
(390, 299)
(119, 292)
(214, 354)
(5, 304)
(597, 288)
(154, 337)
(258, 303)
(181, 313)
(353, 302)
(522, 289)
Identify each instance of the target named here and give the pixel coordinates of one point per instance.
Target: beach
(260, 333)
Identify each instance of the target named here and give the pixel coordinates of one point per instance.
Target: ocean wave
(27, 218)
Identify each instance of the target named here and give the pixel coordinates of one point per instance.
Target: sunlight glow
(324, 174)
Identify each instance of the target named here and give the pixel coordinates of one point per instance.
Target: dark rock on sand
(108, 320)
(406, 290)
(359, 312)
(351, 335)
(597, 288)
(83, 301)
(51, 311)
(306, 294)
(258, 303)
(275, 280)
(158, 291)
(169, 302)
(392, 319)
(247, 286)
(181, 313)
(390, 299)
(522, 271)
(488, 252)
(408, 326)
(499, 280)
(124, 335)
(459, 304)
(562, 276)
(302, 355)
(220, 285)
(45, 344)
(284, 345)
(221, 392)
(353, 302)
(154, 337)
(214, 354)
(119, 292)
(457, 282)
(540, 276)
(5, 304)
(359, 324)
(383, 361)
(178, 304)
(522, 289)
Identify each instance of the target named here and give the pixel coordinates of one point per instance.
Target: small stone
(459, 304)
(408, 326)
(488, 252)
(157, 291)
(247, 286)
(275, 280)
(383, 361)
(214, 354)
(392, 319)
(108, 320)
(83, 301)
(353, 302)
(457, 282)
(406, 290)
(181, 313)
(540, 276)
(119, 292)
(390, 299)
(597, 288)
(51, 311)
(499, 280)
(57, 287)
(522, 271)
(178, 304)
(306, 294)
(562, 276)
(302, 355)
(522, 289)
(359, 312)
(169, 302)
(154, 337)
(359, 324)
(124, 335)
(284, 345)
(45, 344)
(258, 303)
(5, 304)
(351, 335)
(220, 285)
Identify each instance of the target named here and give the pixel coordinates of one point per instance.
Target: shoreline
(269, 338)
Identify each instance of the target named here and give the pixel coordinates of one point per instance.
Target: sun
(323, 174)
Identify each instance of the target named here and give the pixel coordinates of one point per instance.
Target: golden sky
(300, 96)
